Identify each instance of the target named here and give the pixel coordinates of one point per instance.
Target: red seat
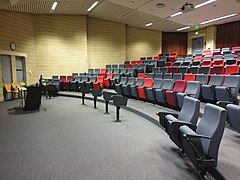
(198, 58)
(232, 69)
(180, 86)
(127, 66)
(148, 83)
(168, 64)
(216, 53)
(134, 62)
(103, 72)
(141, 75)
(99, 84)
(238, 59)
(67, 84)
(172, 57)
(63, 79)
(206, 63)
(217, 70)
(156, 58)
(173, 70)
(218, 63)
(207, 52)
(189, 77)
(107, 80)
(235, 48)
(139, 62)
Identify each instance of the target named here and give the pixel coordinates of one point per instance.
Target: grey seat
(121, 66)
(126, 87)
(107, 96)
(167, 76)
(74, 74)
(118, 87)
(208, 91)
(122, 71)
(151, 91)
(161, 63)
(96, 93)
(108, 66)
(133, 88)
(177, 76)
(163, 69)
(186, 64)
(156, 70)
(160, 93)
(193, 70)
(135, 66)
(201, 146)
(91, 80)
(192, 90)
(158, 76)
(142, 68)
(204, 70)
(74, 83)
(115, 80)
(91, 71)
(233, 116)
(56, 82)
(202, 78)
(114, 66)
(196, 64)
(187, 116)
(183, 69)
(84, 79)
(131, 72)
(229, 90)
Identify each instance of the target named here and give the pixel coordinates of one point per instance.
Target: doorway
(20, 70)
(6, 69)
(197, 44)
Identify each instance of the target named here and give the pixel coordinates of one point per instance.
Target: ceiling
(135, 13)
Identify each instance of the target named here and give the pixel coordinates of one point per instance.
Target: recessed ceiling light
(148, 24)
(93, 5)
(54, 5)
(219, 18)
(131, 2)
(180, 29)
(204, 3)
(160, 5)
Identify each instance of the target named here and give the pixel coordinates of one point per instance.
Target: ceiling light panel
(204, 3)
(183, 28)
(218, 19)
(93, 6)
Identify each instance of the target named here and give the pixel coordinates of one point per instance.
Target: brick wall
(61, 44)
(106, 43)
(142, 43)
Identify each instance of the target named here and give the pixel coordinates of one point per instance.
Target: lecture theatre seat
(133, 88)
(107, 82)
(160, 93)
(202, 145)
(233, 116)
(148, 83)
(118, 87)
(151, 91)
(126, 87)
(99, 84)
(171, 99)
(232, 69)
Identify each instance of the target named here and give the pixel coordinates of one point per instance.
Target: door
(20, 70)
(197, 44)
(6, 69)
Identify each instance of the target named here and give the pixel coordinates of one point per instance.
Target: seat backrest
(183, 69)
(97, 70)
(218, 63)
(207, 58)
(8, 87)
(204, 70)
(156, 70)
(135, 66)
(193, 70)
(189, 55)
(148, 82)
(198, 58)
(193, 89)
(188, 59)
(173, 69)
(202, 78)
(110, 76)
(190, 110)
(139, 82)
(156, 57)
(114, 66)
(131, 81)
(167, 76)
(141, 75)
(233, 69)
(184, 64)
(228, 56)
(90, 70)
(180, 86)
(142, 58)
(77, 78)
(54, 78)
(74, 74)
(167, 84)
(168, 64)
(163, 58)
(217, 70)
(121, 66)
(123, 70)
(189, 77)
(158, 75)
(233, 82)
(70, 78)
(212, 124)
(103, 70)
(206, 63)
(142, 66)
(92, 79)
(177, 76)
(108, 66)
(116, 76)
(163, 69)
(100, 79)
(157, 83)
(63, 78)
(123, 80)
(216, 80)
(84, 79)
(233, 112)
(218, 57)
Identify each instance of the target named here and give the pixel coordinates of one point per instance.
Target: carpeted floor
(67, 140)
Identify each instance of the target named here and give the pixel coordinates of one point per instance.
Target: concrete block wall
(142, 42)
(106, 43)
(61, 44)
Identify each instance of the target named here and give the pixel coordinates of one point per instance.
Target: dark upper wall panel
(228, 35)
(175, 42)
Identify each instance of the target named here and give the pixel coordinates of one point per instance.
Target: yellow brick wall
(106, 43)
(142, 43)
(61, 44)
(19, 28)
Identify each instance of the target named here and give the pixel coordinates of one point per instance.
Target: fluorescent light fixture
(180, 29)
(148, 24)
(176, 14)
(204, 3)
(54, 5)
(217, 19)
(93, 5)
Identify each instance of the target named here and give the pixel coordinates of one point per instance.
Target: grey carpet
(67, 140)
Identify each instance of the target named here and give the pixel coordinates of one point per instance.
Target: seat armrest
(190, 136)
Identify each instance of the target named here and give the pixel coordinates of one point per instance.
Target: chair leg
(117, 113)
(106, 107)
(95, 102)
(83, 96)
